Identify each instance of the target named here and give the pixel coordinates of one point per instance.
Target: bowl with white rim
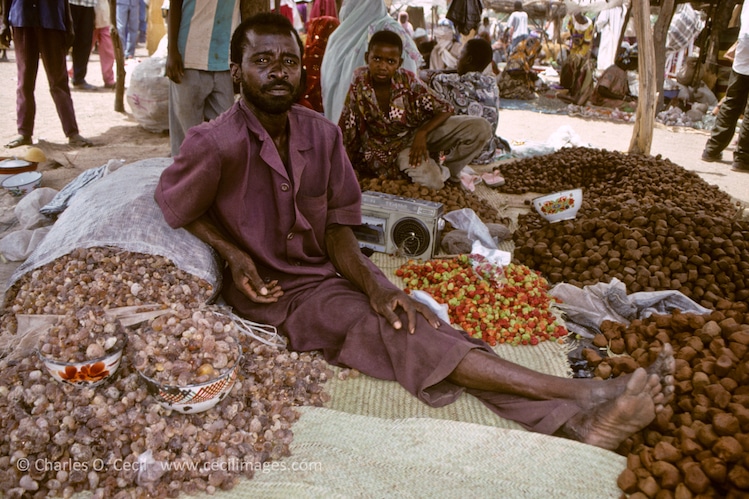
(22, 183)
(562, 205)
(13, 166)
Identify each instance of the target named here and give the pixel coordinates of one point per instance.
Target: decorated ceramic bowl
(88, 373)
(195, 398)
(558, 206)
(22, 183)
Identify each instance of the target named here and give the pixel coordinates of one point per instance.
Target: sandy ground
(119, 136)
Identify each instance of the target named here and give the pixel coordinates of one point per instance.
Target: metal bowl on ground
(21, 184)
(13, 166)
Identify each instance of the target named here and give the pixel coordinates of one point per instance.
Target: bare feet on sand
(610, 423)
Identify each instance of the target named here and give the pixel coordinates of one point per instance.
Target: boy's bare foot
(613, 421)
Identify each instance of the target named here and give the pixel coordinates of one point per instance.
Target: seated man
(612, 88)
(269, 186)
(393, 125)
(471, 92)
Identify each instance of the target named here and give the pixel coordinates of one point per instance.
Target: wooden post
(642, 135)
(660, 31)
(119, 57)
(249, 8)
(627, 16)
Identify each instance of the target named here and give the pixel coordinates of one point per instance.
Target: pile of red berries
(499, 305)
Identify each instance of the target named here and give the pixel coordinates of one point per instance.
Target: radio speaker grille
(411, 236)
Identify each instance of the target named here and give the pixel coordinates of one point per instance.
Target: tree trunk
(119, 57)
(249, 8)
(642, 135)
(660, 30)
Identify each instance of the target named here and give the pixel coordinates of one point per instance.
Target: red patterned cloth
(318, 32)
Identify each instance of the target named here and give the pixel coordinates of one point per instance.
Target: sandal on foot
(493, 179)
(21, 140)
(79, 141)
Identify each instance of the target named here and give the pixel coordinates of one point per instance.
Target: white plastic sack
(563, 136)
(27, 209)
(148, 94)
(18, 245)
(119, 211)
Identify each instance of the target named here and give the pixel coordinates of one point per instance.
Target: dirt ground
(119, 136)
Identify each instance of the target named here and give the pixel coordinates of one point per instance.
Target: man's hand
(249, 282)
(243, 269)
(385, 301)
(419, 151)
(175, 67)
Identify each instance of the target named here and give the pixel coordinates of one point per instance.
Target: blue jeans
(143, 21)
(128, 19)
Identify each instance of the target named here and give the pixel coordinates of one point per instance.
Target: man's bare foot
(663, 367)
(613, 421)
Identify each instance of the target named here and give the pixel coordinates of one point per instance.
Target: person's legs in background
(26, 43)
(83, 24)
(741, 153)
(142, 21)
(127, 25)
(737, 95)
(106, 55)
(53, 52)
(187, 104)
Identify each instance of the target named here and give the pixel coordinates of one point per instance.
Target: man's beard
(271, 104)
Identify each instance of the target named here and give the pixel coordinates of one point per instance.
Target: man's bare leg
(484, 371)
(610, 410)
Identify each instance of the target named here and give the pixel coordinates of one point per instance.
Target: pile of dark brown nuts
(655, 226)
(57, 439)
(452, 196)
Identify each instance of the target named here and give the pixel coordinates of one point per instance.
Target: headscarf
(318, 33)
(323, 8)
(360, 19)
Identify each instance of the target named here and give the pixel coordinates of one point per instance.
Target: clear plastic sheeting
(591, 305)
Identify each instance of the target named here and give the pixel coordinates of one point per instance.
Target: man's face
(383, 62)
(270, 72)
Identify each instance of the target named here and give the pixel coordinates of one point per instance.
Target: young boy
(393, 124)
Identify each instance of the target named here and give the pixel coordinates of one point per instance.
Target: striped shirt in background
(205, 33)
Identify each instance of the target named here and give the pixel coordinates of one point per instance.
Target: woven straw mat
(335, 454)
